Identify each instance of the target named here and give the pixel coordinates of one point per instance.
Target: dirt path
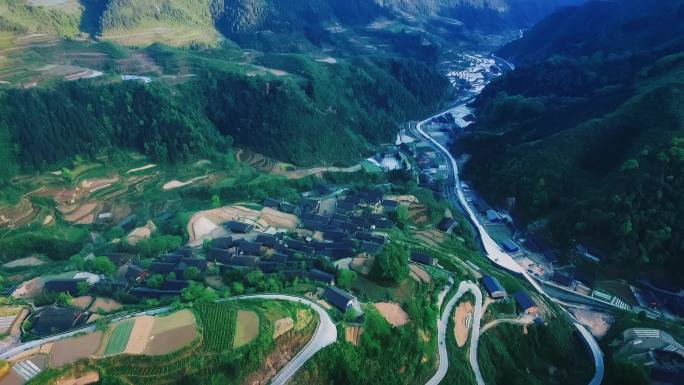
(462, 319)
(526, 320)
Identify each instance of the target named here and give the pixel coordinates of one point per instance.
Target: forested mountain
(587, 131)
(332, 114)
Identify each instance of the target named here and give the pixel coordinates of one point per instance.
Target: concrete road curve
(442, 326)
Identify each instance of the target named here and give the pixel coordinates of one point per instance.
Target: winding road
(493, 251)
(325, 334)
(443, 324)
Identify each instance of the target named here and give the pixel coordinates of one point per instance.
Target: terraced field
(118, 340)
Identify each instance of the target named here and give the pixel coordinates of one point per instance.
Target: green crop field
(119, 338)
(218, 320)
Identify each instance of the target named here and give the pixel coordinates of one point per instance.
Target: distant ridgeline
(588, 131)
(203, 21)
(325, 114)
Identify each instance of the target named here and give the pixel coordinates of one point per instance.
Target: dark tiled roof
(161, 267)
(561, 279)
(144, 292)
(222, 242)
(118, 258)
(251, 248)
(54, 319)
(268, 267)
(278, 258)
(185, 251)
(446, 224)
(175, 284)
(199, 263)
(321, 276)
(238, 227)
(219, 255)
(272, 203)
(334, 235)
(370, 247)
(63, 286)
(338, 298)
(266, 240)
(422, 258)
(243, 261)
(171, 258)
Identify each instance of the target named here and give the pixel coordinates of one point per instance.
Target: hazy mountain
(203, 21)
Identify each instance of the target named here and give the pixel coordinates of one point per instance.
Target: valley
(327, 192)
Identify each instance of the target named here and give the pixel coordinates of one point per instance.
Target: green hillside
(588, 136)
(315, 113)
(17, 17)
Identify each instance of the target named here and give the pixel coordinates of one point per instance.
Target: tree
(401, 217)
(215, 201)
(346, 278)
(391, 264)
(103, 265)
(63, 299)
(238, 288)
(155, 281)
(191, 274)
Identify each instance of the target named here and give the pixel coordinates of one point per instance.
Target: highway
(492, 250)
(325, 334)
(442, 326)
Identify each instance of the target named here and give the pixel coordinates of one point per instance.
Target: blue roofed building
(509, 246)
(493, 287)
(525, 302)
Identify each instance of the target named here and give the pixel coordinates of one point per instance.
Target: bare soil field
(462, 317)
(23, 262)
(174, 184)
(29, 289)
(82, 214)
(82, 302)
(286, 348)
(142, 168)
(597, 322)
(171, 333)
(16, 215)
(282, 326)
(140, 335)
(432, 238)
(204, 223)
(141, 233)
(362, 265)
(393, 313)
(82, 379)
(73, 349)
(275, 218)
(170, 340)
(419, 274)
(173, 321)
(104, 305)
(8, 316)
(352, 334)
(246, 328)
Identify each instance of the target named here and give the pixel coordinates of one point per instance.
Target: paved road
(325, 334)
(492, 250)
(442, 326)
